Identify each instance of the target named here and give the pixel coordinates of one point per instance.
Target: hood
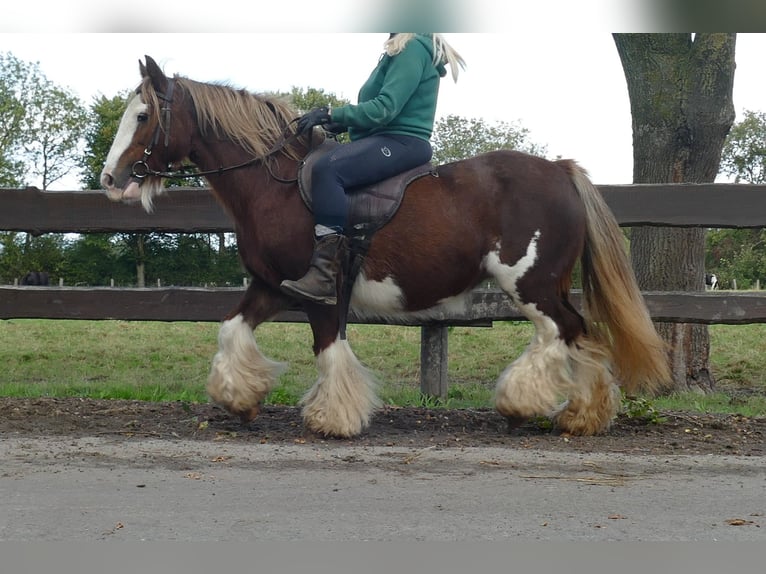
(428, 43)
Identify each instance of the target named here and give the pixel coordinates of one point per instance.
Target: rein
(140, 169)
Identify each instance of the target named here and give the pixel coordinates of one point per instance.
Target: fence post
(433, 360)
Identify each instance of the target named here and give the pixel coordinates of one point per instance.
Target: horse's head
(150, 138)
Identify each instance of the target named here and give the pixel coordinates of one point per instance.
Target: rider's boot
(319, 284)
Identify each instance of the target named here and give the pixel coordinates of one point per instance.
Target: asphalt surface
(72, 489)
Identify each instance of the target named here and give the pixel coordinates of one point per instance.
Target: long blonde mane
(254, 121)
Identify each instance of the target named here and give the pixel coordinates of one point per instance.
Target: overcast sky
(565, 86)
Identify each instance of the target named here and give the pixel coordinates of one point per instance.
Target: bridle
(140, 169)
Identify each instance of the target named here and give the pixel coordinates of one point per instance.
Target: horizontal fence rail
(482, 308)
(194, 210)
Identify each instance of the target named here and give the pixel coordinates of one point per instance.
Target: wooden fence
(193, 210)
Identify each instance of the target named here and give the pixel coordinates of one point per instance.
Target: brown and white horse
(522, 220)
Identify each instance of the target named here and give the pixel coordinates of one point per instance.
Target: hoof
(248, 414)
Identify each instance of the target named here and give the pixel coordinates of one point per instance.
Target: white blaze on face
(128, 127)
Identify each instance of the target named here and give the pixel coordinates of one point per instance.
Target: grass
(170, 361)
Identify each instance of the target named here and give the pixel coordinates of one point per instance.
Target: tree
(91, 259)
(41, 124)
(456, 138)
(744, 153)
(680, 89)
(740, 254)
(305, 99)
(53, 129)
(22, 252)
(13, 75)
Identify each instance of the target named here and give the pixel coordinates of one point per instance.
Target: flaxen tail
(614, 308)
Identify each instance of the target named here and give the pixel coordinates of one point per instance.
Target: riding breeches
(358, 163)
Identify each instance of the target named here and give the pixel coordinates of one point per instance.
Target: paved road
(104, 489)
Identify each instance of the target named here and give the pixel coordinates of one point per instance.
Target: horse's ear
(153, 71)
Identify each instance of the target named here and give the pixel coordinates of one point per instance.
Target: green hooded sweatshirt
(400, 95)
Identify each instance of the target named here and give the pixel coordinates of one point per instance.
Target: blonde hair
(443, 52)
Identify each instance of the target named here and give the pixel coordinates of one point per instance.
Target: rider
(390, 130)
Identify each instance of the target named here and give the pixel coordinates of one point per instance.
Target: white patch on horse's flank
(508, 276)
(385, 299)
(128, 126)
(377, 296)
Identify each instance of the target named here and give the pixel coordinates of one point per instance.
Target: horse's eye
(143, 117)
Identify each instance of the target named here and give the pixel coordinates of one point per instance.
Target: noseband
(140, 169)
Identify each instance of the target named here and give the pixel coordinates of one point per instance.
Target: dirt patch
(676, 433)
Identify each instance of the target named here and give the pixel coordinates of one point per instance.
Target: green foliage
(41, 124)
(174, 259)
(737, 254)
(191, 259)
(456, 138)
(305, 99)
(744, 153)
(91, 260)
(641, 408)
(22, 252)
(14, 74)
(53, 126)
(740, 254)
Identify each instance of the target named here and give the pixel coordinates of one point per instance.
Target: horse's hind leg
(562, 374)
(595, 398)
(539, 380)
(240, 375)
(342, 400)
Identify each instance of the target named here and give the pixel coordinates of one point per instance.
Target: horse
(36, 278)
(521, 220)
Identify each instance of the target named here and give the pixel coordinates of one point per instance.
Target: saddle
(370, 207)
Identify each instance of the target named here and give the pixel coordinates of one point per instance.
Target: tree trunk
(680, 90)
(140, 261)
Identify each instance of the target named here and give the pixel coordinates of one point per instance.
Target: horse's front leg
(344, 397)
(241, 376)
